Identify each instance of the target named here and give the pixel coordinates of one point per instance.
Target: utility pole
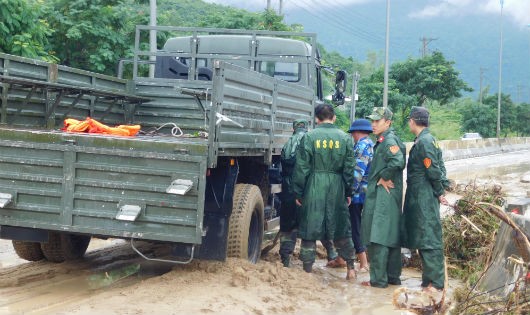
(268, 5)
(387, 44)
(354, 80)
(281, 8)
(500, 79)
(481, 78)
(425, 41)
(152, 37)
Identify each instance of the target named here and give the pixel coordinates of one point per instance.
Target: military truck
(203, 174)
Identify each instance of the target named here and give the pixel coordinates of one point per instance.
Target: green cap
(419, 114)
(380, 113)
(300, 123)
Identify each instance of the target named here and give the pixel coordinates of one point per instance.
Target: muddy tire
(245, 230)
(61, 247)
(28, 250)
(75, 245)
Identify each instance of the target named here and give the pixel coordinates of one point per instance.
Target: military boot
(286, 261)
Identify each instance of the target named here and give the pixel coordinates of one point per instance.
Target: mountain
(472, 41)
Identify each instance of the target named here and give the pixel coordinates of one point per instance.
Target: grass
(445, 122)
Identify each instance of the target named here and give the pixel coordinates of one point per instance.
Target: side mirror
(340, 87)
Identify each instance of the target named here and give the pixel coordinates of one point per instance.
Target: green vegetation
(23, 32)
(445, 121)
(94, 35)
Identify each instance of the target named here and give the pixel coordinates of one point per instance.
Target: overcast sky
(516, 11)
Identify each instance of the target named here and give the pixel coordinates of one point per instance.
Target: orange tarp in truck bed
(93, 126)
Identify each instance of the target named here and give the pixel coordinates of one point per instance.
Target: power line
(371, 25)
(338, 21)
(334, 16)
(333, 23)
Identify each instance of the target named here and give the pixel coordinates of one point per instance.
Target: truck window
(286, 71)
(201, 62)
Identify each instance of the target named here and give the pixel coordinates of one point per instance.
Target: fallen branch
(499, 213)
(471, 223)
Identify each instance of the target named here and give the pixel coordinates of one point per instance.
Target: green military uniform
(288, 212)
(426, 181)
(380, 223)
(323, 179)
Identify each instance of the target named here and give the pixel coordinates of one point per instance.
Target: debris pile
(469, 234)
(469, 237)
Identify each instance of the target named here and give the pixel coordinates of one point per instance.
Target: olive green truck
(204, 173)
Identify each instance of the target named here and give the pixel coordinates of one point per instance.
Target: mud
(112, 280)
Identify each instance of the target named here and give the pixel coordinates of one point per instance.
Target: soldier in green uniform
(426, 183)
(323, 180)
(380, 224)
(288, 214)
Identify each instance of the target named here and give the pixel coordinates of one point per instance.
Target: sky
(515, 11)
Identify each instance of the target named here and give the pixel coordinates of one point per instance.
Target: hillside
(471, 41)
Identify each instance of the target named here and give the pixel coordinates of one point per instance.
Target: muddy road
(112, 279)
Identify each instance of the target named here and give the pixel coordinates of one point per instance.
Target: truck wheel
(61, 247)
(28, 250)
(74, 245)
(53, 250)
(245, 229)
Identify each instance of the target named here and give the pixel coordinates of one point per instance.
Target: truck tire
(245, 229)
(74, 245)
(28, 250)
(61, 247)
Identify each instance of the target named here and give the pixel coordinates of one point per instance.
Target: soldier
(380, 225)
(360, 130)
(288, 215)
(426, 183)
(322, 179)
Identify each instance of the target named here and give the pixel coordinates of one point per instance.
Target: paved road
(489, 167)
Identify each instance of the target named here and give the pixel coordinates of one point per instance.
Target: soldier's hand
(298, 202)
(387, 184)
(348, 200)
(442, 200)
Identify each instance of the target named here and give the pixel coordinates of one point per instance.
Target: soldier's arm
(445, 180)
(395, 161)
(302, 167)
(349, 168)
(432, 164)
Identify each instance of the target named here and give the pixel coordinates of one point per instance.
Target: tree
(431, 77)
(479, 118)
(483, 118)
(522, 117)
(22, 33)
(93, 35)
(412, 83)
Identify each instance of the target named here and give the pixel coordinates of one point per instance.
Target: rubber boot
(286, 261)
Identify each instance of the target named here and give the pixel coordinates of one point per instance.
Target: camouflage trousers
(343, 246)
(287, 244)
(330, 249)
